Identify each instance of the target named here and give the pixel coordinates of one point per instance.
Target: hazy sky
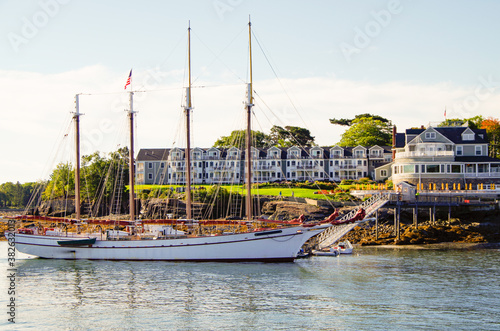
(313, 60)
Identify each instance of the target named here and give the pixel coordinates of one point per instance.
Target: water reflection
(372, 289)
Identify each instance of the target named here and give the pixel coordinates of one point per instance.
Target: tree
(492, 127)
(101, 178)
(17, 195)
(291, 136)
(349, 122)
(367, 131)
(473, 122)
(237, 139)
(61, 183)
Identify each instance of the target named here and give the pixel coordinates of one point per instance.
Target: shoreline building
(432, 155)
(227, 166)
(442, 155)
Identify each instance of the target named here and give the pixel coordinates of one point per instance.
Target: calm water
(374, 289)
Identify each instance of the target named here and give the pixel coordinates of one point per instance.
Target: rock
(287, 210)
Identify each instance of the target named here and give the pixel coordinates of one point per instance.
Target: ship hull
(280, 245)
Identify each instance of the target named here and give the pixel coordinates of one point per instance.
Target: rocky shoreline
(426, 233)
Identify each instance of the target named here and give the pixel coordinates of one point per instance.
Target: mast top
(77, 106)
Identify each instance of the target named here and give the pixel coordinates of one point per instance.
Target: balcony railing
(415, 154)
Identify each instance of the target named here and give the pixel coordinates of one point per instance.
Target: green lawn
(272, 191)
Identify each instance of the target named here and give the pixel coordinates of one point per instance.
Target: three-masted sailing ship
(280, 244)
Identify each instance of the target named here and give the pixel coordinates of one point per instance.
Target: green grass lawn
(272, 191)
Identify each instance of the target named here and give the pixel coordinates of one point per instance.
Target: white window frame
(430, 135)
(479, 149)
(468, 136)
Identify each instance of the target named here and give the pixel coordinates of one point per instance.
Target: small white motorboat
(344, 247)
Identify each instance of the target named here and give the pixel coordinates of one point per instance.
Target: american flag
(128, 79)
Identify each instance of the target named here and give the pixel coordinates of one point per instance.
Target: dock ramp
(336, 232)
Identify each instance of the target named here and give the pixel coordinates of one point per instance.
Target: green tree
(8, 189)
(237, 139)
(367, 131)
(61, 182)
(291, 136)
(349, 122)
(100, 178)
(3, 199)
(473, 122)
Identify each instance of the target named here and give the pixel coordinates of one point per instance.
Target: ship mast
(131, 158)
(249, 105)
(187, 111)
(76, 117)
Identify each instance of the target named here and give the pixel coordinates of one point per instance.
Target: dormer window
(468, 136)
(430, 135)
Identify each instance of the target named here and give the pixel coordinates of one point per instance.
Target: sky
(405, 60)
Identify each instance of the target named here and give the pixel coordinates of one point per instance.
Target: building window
(150, 165)
(468, 136)
(482, 168)
(460, 150)
(162, 165)
(408, 168)
(430, 135)
(479, 150)
(150, 176)
(456, 168)
(383, 173)
(432, 168)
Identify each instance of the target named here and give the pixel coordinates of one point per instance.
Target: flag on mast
(444, 112)
(128, 79)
